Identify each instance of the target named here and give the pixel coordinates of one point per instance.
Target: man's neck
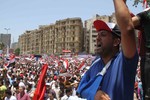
(9, 96)
(22, 94)
(106, 59)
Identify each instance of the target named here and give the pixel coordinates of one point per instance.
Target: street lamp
(7, 29)
(9, 41)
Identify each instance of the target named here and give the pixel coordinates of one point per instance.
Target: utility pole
(7, 29)
(9, 41)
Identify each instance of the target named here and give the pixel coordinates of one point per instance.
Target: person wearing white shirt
(9, 96)
(51, 96)
(68, 94)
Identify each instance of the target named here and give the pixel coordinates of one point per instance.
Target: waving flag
(12, 58)
(66, 63)
(82, 65)
(145, 4)
(41, 86)
(6, 65)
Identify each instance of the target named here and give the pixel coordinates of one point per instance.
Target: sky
(17, 16)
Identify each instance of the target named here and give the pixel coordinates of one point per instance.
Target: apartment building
(66, 34)
(14, 45)
(6, 39)
(69, 35)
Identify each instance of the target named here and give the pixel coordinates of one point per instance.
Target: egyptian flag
(66, 63)
(82, 65)
(12, 58)
(6, 65)
(41, 86)
(145, 4)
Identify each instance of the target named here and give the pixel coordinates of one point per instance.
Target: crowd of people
(117, 72)
(18, 79)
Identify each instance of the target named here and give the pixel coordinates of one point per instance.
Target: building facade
(14, 45)
(6, 39)
(69, 35)
(66, 34)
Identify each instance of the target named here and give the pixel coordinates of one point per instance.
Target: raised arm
(126, 27)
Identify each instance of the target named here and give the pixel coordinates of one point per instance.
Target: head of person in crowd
(7, 82)
(3, 88)
(55, 78)
(48, 87)
(8, 93)
(13, 76)
(75, 84)
(51, 96)
(9, 72)
(22, 88)
(1, 81)
(108, 38)
(29, 87)
(16, 87)
(69, 91)
(56, 85)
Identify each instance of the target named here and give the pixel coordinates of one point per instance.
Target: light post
(7, 29)
(9, 41)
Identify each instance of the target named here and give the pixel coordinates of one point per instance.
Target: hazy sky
(22, 15)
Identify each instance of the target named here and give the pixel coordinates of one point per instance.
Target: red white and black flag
(41, 86)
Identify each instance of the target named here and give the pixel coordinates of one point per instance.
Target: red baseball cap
(111, 27)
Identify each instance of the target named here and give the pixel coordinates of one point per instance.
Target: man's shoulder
(64, 97)
(120, 56)
(96, 59)
(13, 98)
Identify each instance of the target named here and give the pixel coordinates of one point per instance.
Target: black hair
(68, 89)
(15, 84)
(8, 92)
(144, 17)
(115, 36)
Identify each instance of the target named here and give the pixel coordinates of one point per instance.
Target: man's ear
(116, 41)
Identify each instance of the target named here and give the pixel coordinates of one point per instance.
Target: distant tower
(6, 39)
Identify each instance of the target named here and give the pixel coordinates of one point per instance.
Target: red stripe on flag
(41, 87)
(12, 58)
(145, 4)
(66, 64)
(82, 65)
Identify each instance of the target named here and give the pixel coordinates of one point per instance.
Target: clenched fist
(100, 95)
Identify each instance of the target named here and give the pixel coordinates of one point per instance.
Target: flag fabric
(32, 57)
(66, 64)
(87, 87)
(145, 4)
(12, 58)
(41, 86)
(82, 65)
(6, 65)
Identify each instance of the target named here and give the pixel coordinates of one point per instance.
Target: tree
(17, 51)
(2, 45)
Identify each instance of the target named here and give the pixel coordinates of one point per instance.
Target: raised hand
(100, 95)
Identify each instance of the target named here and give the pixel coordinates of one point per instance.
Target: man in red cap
(112, 74)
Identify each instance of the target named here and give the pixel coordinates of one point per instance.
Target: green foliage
(17, 51)
(2, 45)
